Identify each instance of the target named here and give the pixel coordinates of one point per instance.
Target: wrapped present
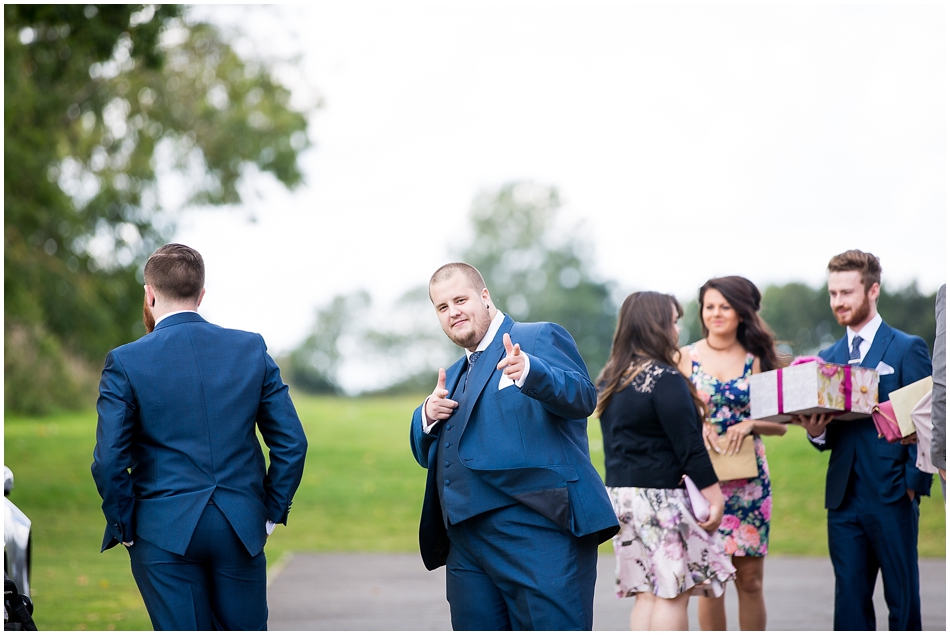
(849, 392)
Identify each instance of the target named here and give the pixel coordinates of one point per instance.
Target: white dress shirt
(428, 424)
(867, 333)
(173, 313)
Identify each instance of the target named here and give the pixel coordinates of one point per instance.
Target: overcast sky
(686, 141)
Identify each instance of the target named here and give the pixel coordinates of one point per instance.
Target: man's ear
(201, 297)
(150, 295)
(486, 297)
(874, 292)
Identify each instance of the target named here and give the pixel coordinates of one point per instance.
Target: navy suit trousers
(864, 537)
(513, 569)
(216, 585)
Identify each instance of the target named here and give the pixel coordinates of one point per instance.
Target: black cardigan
(653, 433)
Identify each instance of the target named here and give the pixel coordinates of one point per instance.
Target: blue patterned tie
(471, 362)
(855, 349)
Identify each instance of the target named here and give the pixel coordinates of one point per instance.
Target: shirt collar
(868, 332)
(490, 335)
(173, 313)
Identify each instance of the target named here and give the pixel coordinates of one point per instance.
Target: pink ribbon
(781, 405)
(847, 389)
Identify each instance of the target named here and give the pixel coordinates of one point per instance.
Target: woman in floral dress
(652, 421)
(737, 343)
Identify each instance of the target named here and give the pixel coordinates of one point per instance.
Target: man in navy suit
(177, 460)
(513, 506)
(873, 487)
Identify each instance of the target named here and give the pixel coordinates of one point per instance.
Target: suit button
(447, 444)
(448, 426)
(447, 463)
(447, 481)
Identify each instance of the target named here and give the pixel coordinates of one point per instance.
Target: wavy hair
(644, 333)
(754, 334)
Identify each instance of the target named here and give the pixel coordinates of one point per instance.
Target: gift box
(849, 392)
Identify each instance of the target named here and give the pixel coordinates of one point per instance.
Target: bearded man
(513, 506)
(873, 488)
(177, 461)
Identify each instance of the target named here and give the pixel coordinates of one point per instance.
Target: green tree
(97, 98)
(540, 272)
(314, 366)
(535, 270)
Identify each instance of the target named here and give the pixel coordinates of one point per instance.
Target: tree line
(102, 100)
(539, 270)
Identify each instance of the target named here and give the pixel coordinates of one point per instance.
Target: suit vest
(462, 493)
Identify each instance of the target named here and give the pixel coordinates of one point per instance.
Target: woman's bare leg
(712, 612)
(670, 615)
(642, 612)
(749, 574)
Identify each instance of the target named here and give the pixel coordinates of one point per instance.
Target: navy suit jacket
(176, 430)
(886, 470)
(529, 444)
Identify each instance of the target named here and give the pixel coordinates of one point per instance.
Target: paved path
(394, 592)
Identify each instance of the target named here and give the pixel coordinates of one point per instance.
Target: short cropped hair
(867, 264)
(445, 272)
(176, 272)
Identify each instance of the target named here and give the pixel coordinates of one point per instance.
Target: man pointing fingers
(438, 406)
(514, 362)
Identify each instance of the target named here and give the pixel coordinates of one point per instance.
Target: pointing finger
(441, 384)
(507, 340)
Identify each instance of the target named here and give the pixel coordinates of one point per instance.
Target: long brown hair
(754, 334)
(644, 333)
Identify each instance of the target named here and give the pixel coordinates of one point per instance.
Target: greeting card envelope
(849, 392)
(742, 464)
(904, 399)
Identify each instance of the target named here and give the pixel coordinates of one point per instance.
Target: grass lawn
(361, 491)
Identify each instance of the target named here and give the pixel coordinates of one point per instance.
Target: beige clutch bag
(739, 465)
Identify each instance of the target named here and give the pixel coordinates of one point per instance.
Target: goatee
(147, 318)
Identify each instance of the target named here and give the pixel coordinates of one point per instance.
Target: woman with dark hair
(736, 344)
(652, 420)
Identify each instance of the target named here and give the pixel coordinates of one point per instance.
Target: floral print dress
(745, 523)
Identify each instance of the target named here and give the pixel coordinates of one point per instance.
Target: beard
(147, 318)
(479, 326)
(858, 315)
(467, 341)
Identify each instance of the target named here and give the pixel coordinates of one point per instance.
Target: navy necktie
(855, 348)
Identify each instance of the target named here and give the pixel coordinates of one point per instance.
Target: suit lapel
(453, 374)
(482, 371)
(882, 340)
(839, 352)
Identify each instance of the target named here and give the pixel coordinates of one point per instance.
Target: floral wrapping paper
(813, 387)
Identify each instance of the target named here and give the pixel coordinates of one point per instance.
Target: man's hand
(908, 440)
(438, 406)
(514, 360)
(814, 424)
